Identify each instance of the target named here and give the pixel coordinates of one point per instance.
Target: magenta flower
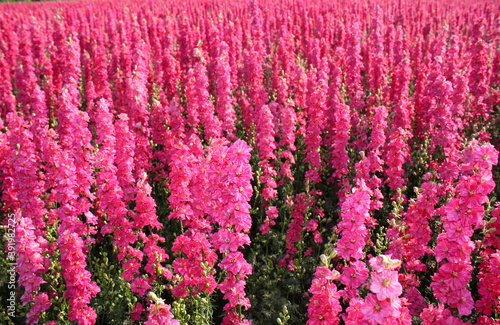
(137, 311)
(140, 286)
(355, 274)
(376, 310)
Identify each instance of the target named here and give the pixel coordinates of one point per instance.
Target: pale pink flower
(385, 284)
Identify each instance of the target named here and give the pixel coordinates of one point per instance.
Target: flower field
(235, 162)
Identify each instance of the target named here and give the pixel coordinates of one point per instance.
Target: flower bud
(152, 296)
(324, 259)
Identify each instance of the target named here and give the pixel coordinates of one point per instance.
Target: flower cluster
(295, 228)
(324, 305)
(80, 288)
(382, 305)
(230, 174)
(463, 212)
(189, 202)
(353, 226)
(266, 144)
